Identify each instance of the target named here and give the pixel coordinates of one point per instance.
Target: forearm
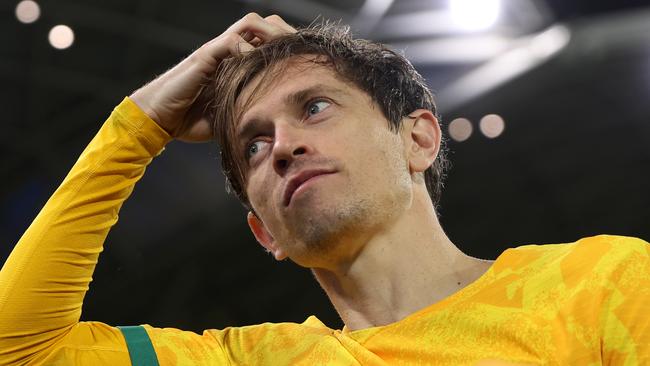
(44, 280)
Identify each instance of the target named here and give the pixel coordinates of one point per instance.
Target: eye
(254, 147)
(317, 107)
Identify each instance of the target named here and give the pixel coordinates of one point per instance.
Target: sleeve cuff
(139, 123)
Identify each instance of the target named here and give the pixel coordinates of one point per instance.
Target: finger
(237, 45)
(255, 42)
(241, 37)
(247, 36)
(201, 131)
(251, 38)
(272, 19)
(279, 22)
(224, 46)
(255, 24)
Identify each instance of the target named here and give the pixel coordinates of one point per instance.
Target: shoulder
(589, 250)
(608, 257)
(237, 345)
(267, 335)
(592, 294)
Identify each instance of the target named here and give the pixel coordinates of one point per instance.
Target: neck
(400, 270)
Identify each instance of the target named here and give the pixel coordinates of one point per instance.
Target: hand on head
(174, 100)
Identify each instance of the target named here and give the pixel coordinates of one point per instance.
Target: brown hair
(388, 78)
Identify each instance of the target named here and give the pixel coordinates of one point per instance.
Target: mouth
(299, 180)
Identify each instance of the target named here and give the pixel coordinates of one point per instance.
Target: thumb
(200, 131)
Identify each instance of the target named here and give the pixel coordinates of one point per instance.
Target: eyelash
(305, 108)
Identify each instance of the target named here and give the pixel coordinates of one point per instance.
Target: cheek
(389, 160)
(383, 147)
(258, 193)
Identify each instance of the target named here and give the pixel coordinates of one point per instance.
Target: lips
(300, 178)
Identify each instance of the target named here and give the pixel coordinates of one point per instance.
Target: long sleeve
(44, 280)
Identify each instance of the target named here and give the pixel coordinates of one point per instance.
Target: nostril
(282, 164)
(299, 151)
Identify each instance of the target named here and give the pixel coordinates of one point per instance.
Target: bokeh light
(474, 15)
(492, 125)
(28, 11)
(61, 36)
(460, 129)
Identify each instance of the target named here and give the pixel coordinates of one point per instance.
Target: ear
(424, 137)
(264, 237)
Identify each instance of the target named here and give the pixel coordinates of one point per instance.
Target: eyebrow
(296, 98)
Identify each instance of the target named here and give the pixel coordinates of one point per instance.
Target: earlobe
(264, 237)
(425, 137)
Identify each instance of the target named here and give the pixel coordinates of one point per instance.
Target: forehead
(274, 84)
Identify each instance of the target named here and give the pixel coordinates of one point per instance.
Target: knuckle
(198, 58)
(197, 54)
(232, 37)
(252, 17)
(273, 17)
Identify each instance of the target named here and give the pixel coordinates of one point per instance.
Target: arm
(44, 280)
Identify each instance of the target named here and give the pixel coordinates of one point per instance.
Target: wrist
(140, 101)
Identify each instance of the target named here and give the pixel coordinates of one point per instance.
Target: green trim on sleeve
(140, 348)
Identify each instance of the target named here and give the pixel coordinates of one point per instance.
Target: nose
(289, 145)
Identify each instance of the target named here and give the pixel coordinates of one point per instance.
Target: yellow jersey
(581, 303)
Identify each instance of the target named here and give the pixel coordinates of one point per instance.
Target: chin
(320, 228)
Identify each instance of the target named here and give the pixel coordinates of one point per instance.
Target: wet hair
(385, 75)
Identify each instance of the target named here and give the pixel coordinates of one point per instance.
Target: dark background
(572, 162)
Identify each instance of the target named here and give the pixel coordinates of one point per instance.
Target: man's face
(324, 171)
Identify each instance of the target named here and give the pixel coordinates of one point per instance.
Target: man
(335, 147)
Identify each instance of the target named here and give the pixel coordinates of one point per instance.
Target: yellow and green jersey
(581, 303)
